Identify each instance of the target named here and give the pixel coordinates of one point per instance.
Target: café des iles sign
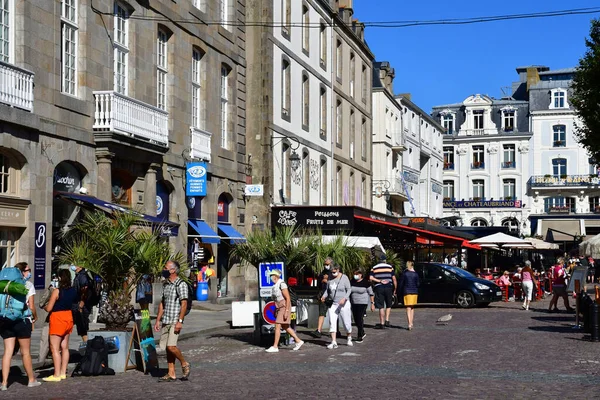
(483, 204)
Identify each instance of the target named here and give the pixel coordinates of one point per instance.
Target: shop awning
(203, 231)
(230, 233)
(167, 228)
(560, 230)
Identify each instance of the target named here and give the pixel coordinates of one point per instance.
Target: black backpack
(189, 299)
(95, 360)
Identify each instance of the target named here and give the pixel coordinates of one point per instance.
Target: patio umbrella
(542, 245)
(501, 240)
(590, 247)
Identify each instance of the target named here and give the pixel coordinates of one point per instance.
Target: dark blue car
(442, 283)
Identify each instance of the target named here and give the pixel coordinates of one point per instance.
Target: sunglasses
(27, 270)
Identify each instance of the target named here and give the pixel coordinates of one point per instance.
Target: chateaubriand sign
(483, 204)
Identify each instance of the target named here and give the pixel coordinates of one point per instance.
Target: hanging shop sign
(195, 179)
(483, 204)
(66, 178)
(254, 190)
(326, 218)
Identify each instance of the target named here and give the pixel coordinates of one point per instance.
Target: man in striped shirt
(384, 287)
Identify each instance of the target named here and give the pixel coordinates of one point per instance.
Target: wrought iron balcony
(130, 117)
(563, 181)
(448, 166)
(509, 164)
(16, 86)
(201, 142)
(478, 165)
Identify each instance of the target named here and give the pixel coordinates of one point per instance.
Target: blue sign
(195, 179)
(264, 273)
(39, 256)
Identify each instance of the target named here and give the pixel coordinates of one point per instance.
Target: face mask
(334, 273)
(166, 274)
(73, 268)
(356, 277)
(327, 267)
(27, 276)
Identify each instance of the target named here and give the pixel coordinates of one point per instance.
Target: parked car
(442, 283)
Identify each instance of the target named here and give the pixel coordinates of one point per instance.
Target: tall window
(305, 101)
(339, 59)
(509, 186)
(286, 17)
(226, 13)
(593, 166)
(363, 192)
(69, 44)
(448, 123)
(5, 174)
(478, 189)
(224, 107)
(338, 114)
(305, 176)
(478, 157)
(509, 121)
(448, 158)
(197, 88)
(161, 67)
(285, 89)
(364, 83)
(338, 185)
(448, 191)
(200, 4)
(364, 141)
(323, 186)
(352, 73)
(352, 133)
(558, 98)
(9, 239)
(305, 29)
(323, 45)
(559, 167)
(352, 194)
(5, 30)
(560, 136)
(594, 204)
(121, 49)
(323, 114)
(508, 154)
(478, 119)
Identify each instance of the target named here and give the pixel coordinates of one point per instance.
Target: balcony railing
(563, 180)
(508, 164)
(396, 188)
(559, 143)
(478, 165)
(200, 144)
(449, 166)
(130, 117)
(16, 86)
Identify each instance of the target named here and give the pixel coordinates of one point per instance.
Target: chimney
(533, 76)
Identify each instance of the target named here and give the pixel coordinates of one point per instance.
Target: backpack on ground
(95, 360)
(12, 307)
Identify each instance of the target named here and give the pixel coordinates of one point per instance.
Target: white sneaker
(350, 343)
(297, 346)
(332, 345)
(272, 350)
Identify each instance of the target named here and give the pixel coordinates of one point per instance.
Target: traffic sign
(264, 273)
(269, 312)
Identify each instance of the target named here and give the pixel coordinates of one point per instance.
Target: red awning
(441, 237)
(471, 246)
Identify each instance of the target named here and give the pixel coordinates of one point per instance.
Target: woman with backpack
(60, 306)
(19, 330)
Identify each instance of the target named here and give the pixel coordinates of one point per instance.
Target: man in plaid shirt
(171, 312)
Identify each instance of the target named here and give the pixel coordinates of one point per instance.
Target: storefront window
(8, 247)
(122, 181)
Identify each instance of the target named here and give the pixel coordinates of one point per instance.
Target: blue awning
(230, 233)
(203, 231)
(167, 228)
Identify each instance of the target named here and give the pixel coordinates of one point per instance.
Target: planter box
(117, 361)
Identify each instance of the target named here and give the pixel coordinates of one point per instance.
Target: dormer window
(478, 119)
(558, 98)
(448, 121)
(509, 119)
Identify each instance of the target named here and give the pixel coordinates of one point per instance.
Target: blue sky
(446, 64)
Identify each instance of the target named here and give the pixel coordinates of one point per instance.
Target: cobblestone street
(496, 352)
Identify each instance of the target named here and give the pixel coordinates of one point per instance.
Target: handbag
(329, 299)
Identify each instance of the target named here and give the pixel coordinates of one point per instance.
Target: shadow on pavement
(553, 329)
(565, 318)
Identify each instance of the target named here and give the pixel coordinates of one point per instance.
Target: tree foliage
(586, 93)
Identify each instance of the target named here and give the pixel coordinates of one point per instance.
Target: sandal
(167, 378)
(186, 371)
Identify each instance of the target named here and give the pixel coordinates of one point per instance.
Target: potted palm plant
(119, 249)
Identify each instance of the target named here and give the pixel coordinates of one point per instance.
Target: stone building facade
(115, 97)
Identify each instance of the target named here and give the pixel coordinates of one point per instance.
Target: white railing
(124, 115)
(16, 86)
(200, 144)
(396, 187)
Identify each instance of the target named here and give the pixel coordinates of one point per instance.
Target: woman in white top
(281, 296)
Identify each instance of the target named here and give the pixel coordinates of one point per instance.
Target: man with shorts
(322, 280)
(384, 287)
(171, 313)
(81, 314)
